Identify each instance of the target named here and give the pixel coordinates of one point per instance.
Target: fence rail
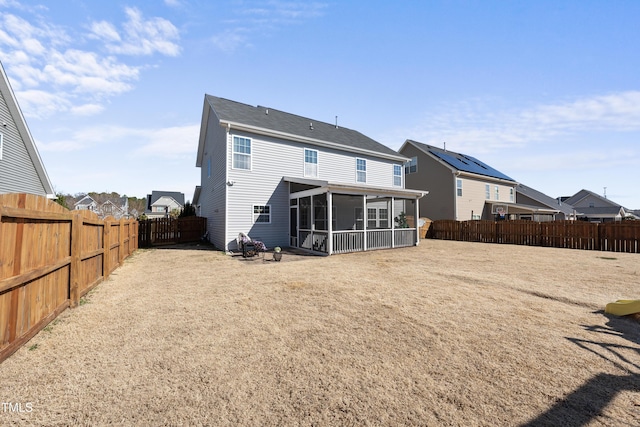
(49, 258)
(613, 237)
(163, 231)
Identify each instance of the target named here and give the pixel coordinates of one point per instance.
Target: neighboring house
(86, 203)
(196, 200)
(543, 207)
(461, 187)
(160, 204)
(590, 206)
(107, 208)
(21, 168)
(291, 181)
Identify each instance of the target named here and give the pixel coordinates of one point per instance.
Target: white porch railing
(353, 240)
(404, 237)
(348, 241)
(379, 239)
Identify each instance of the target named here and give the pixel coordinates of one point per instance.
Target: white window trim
(397, 176)
(304, 159)
(359, 171)
(1, 145)
(459, 193)
(497, 191)
(233, 153)
(256, 215)
(487, 191)
(511, 194)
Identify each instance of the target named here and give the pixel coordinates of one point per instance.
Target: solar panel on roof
(476, 167)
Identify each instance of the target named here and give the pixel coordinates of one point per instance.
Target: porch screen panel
(305, 213)
(320, 211)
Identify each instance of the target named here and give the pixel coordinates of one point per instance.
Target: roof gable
(294, 126)
(23, 131)
(543, 199)
(175, 195)
(583, 194)
(460, 162)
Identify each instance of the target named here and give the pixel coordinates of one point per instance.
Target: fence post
(106, 243)
(121, 241)
(76, 247)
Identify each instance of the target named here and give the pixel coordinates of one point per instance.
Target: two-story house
(292, 181)
(162, 204)
(461, 187)
(21, 168)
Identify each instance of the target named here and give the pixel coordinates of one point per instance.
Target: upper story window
(411, 166)
(310, 163)
(241, 153)
(511, 195)
(497, 192)
(459, 187)
(487, 191)
(397, 175)
(361, 170)
(262, 214)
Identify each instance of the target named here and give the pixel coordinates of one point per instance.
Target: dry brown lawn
(446, 333)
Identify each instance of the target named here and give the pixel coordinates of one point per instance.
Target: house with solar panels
(290, 181)
(461, 187)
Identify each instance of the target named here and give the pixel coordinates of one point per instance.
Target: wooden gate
(164, 231)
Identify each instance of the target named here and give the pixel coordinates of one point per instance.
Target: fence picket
(614, 237)
(49, 258)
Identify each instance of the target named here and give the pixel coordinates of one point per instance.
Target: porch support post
(416, 221)
(393, 225)
(365, 215)
(330, 222)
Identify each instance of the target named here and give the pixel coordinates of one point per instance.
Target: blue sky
(547, 92)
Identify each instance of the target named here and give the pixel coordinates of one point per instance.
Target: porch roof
(339, 187)
(518, 208)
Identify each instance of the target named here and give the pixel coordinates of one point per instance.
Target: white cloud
(263, 17)
(170, 142)
(41, 58)
(484, 128)
(140, 36)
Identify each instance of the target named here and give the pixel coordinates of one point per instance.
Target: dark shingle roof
(276, 120)
(543, 198)
(177, 196)
(462, 162)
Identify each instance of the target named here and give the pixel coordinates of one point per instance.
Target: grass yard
(447, 333)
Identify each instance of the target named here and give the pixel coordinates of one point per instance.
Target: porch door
(293, 226)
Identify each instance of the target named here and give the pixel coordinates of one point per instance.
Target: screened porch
(336, 218)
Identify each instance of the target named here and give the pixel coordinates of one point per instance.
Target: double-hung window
(361, 170)
(262, 214)
(397, 175)
(497, 192)
(459, 187)
(411, 166)
(241, 153)
(487, 191)
(310, 163)
(511, 195)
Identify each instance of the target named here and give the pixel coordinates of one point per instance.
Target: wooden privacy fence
(163, 231)
(614, 237)
(49, 258)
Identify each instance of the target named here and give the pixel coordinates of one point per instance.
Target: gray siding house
(291, 181)
(590, 206)
(21, 168)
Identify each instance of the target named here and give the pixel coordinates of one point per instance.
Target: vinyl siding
(17, 171)
(473, 198)
(213, 192)
(436, 178)
(272, 159)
